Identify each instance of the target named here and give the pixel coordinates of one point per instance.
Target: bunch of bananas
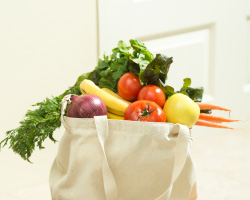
(115, 104)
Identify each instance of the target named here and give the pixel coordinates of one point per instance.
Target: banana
(118, 106)
(113, 116)
(115, 111)
(114, 94)
(83, 92)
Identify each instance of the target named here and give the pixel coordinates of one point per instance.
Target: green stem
(145, 112)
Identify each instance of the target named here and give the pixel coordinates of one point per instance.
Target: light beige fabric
(101, 159)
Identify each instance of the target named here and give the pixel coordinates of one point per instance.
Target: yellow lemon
(181, 109)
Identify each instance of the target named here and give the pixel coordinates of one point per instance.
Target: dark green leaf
(206, 111)
(156, 70)
(108, 83)
(134, 68)
(195, 93)
(168, 90)
(103, 63)
(94, 76)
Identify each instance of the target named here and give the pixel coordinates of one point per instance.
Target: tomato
(129, 86)
(152, 93)
(143, 110)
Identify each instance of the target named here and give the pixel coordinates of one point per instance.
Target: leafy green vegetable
(195, 93)
(156, 70)
(38, 124)
(134, 67)
(140, 49)
(135, 58)
(140, 56)
(168, 90)
(124, 58)
(110, 69)
(186, 84)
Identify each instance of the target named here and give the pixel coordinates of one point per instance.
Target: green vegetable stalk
(40, 123)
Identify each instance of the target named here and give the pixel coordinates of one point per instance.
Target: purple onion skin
(86, 106)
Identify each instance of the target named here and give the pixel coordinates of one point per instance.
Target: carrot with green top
(216, 119)
(209, 106)
(201, 122)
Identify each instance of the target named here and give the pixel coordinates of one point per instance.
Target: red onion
(86, 106)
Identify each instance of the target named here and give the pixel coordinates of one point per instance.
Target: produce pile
(129, 84)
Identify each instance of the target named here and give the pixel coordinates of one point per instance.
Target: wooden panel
(191, 53)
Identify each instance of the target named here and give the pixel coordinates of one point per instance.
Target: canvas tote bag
(103, 159)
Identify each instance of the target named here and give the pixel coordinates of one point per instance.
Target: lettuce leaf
(156, 71)
(195, 93)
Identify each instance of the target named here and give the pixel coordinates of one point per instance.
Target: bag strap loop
(180, 155)
(181, 151)
(108, 178)
(66, 100)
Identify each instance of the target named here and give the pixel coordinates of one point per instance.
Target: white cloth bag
(103, 159)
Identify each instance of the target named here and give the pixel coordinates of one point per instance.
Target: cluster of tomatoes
(147, 102)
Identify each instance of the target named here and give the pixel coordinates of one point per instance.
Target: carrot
(201, 122)
(216, 119)
(209, 106)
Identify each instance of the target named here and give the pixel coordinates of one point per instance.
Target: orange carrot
(216, 119)
(201, 122)
(209, 106)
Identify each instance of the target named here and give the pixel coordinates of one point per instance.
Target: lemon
(181, 109)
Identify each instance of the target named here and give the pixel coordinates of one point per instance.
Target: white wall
(44, 46)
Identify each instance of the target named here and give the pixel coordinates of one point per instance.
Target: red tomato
(142, 110)
(152, 93)
(129, 86)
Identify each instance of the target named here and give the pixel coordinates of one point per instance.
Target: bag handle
(180, 156)
(102, 129)
(66, 100)
(101, 123)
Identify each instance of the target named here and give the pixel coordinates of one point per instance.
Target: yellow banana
(114, 94)
(115, 111)
(113, 116)
(115, 104)
(83, 93)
